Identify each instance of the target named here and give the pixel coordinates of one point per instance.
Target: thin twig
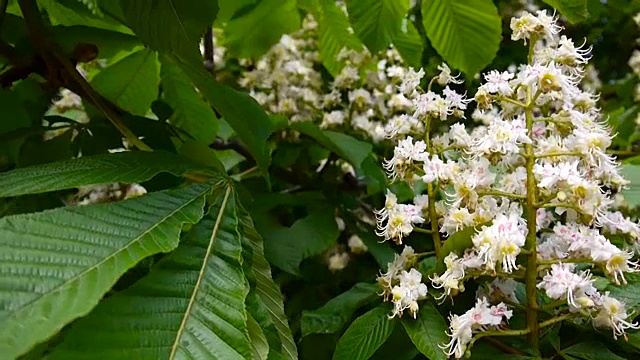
(209, 62)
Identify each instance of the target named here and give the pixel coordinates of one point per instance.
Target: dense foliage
(316, 179)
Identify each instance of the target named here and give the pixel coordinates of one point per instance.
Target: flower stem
(531, 240)
(431, 192)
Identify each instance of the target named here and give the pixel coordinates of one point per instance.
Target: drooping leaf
(127, 167)
(255, 28)
(333, 33)
(191, 304)
(170, 26)
(574, 10)
(190, 112)
(266, 289)
(377, 22)
(428, 331)
(58, 264)
(409, 44)
(466, 33)
(591, 351)
(331, 317)
(365, 335)
(131, 83)
(241, 111)
(345, 146)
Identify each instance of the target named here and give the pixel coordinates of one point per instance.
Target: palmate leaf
(57, 264)
(428, 331)
(377, 22)
(253, 29)
(241, 111)
(365, 335)
(190, 112)
(333, 33)
(169, 26)
(331, 317)
(268, 293)
(126, 167)
(131, 83)
(191, 304)
(466, 33)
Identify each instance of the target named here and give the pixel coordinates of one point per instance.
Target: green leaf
(466, 33)
(409, 44)
(428, 331)
(592, 351)
(59, 263)
(191, 304)
(283, 245)
(574, 10)
(126, 167)
(333, 315)
(255, 28)
(365, 335)
(345, 146)
(458, 243)
(190, 112)
(632, 192)
(131, 83)
(266, 289)
(170, 26)
(109, 42)
(241, 111)
(333, 34)
(257, 339)
(629, 293)
(377, 22)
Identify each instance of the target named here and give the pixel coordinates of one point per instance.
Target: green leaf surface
(190, 306)
(333, 33)
(629, 293)
(241, 111)
(466, 33)
(190, 112)
(170, 26)
(58, 264)
(257, 339)
(131, 83)
(631, 194)
(109, 42)
(409, 44)
(287, 246)
(266, 289)
(12, 109)
(332, 316)
(268, 297)
(592, 350)
(126, 167)
(428, 331)
(574, 10)
(365, 335)
(345, 146)
(458, 243)
(377, 22)
(255, 28)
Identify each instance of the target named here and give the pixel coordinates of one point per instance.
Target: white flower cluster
(403, 288)
(367, 96)
(536, 180)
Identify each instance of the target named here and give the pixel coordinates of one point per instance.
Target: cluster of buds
(536, 180)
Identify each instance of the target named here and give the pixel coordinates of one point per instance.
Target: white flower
(404, 155)
(356, 245)
(338, 261)
(498, 83)
(562, 282)
(612, 314)
(406, 294)
(445, 77)
(411, 81)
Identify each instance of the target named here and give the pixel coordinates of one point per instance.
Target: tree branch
(209, 62)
